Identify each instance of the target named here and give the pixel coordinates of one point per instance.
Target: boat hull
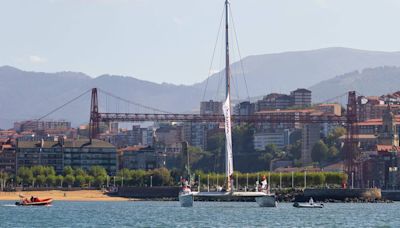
(300, 205)
(186, 200)
(266, 201)
(40, 203)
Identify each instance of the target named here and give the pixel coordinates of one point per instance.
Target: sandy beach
(81, 195)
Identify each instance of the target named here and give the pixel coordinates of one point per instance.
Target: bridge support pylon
(94, 123)
(353, 165)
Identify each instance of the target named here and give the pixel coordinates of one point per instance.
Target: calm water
(203, 214)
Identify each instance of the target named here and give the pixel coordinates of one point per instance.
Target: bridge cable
(62, 106)
(134, 103)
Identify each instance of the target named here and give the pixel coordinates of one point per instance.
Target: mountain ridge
(28, 94)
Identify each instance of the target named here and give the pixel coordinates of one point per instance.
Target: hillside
(27, 95)
(371, 81)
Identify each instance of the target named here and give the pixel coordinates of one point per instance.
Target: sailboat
(264, 198)
(186, 196)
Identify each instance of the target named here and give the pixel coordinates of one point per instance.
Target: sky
(173, 40)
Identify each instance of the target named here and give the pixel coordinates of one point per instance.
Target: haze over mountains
(327, 72)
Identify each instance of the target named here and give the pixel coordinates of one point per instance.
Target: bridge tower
(353, 166)
(94, 123)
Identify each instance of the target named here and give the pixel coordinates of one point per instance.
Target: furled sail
(228, 136)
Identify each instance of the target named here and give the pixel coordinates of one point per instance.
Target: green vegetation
(247, 159)
(328, 149)
(42, 176)
(45, 176)
(313, 179)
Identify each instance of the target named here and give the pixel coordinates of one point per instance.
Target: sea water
(202, 214)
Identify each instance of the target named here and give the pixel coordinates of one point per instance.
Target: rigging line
(134, 103)
(213, 55)
(221, 72)
(240, 55)
(234, 81)
(65, 104)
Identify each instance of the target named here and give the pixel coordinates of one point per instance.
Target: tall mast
(227, 64)
(227, 106)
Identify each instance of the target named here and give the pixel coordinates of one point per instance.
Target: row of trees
(282, 180)
(45, 176)
(164, 177)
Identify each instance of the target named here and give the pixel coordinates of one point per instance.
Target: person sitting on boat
(264, 184)
(311, 201)
(32, 198)
(185, 186)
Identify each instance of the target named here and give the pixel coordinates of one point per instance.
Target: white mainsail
(228, 136)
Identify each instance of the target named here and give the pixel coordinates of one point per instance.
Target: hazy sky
(173, 40)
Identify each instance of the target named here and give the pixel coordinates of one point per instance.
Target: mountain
(288, 71)
(27, 95)
(372, 81)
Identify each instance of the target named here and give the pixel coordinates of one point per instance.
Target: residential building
(7, 158)
(139, 157)
(310, 136)
(301, 97)
(382, 167)
(279, 139)
(34, 125)
(274, 101)
(58, 154)
(332, 109)
(169, 134)
(245, 108)
(211, 108)
(388, 134)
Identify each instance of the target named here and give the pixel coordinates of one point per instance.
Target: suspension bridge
(152, 114)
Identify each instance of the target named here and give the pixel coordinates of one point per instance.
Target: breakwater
(283, 195)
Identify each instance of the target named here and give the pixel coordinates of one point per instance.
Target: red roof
(387, 148)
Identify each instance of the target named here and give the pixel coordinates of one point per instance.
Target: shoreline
(59, 195)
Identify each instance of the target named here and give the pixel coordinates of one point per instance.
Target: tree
(89, 180)
(68, 170)
(138, 177)
(51, 180)
(294, 150)
(80, 180)
(69, 179)
(40, 180)
(319, 152)
(99, 180)
(334, 135)
(80, 172)
(25, 174)
(3, 179)
(333, 153)
(96, 171)
(243, 138)
(60, 180)
(49, 171)
(274, 151)
(161, 177)
(38, 170)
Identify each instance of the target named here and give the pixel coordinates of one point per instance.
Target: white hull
(307, 205)
(186, 200)
(266, 201)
